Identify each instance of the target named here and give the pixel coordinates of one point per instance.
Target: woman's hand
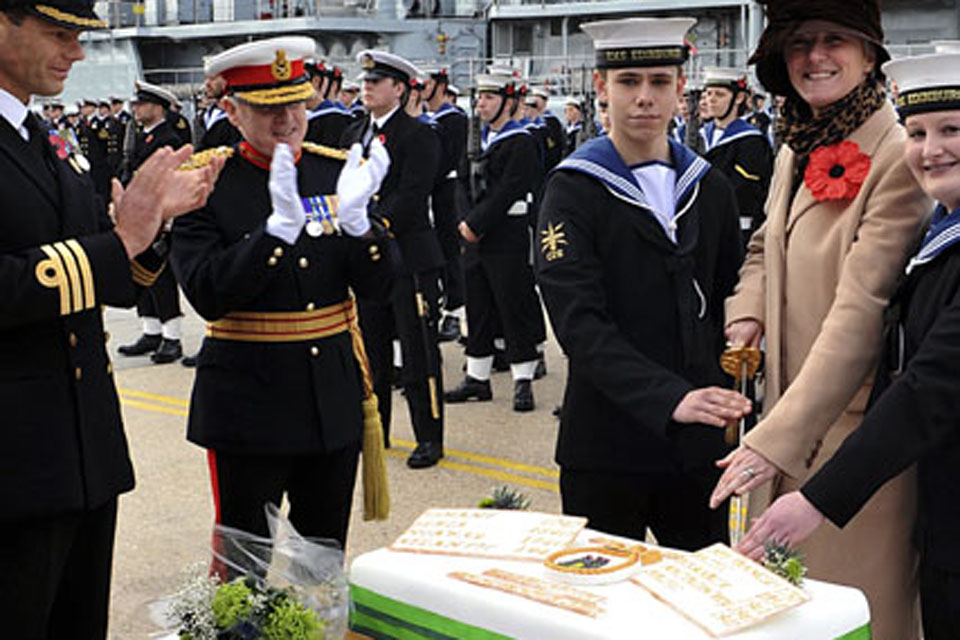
(790, 520)
(715, 406)
(745, 471)
(744, 333)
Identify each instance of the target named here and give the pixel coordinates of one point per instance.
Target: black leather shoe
(168, 351)
(470, 388)
(427, 454)
(144, 344)
(190, 361)
(541, 369)
(500, 363)
(523, 396)
(558, 411)
(449, 329)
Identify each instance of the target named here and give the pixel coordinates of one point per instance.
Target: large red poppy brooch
(836, 172)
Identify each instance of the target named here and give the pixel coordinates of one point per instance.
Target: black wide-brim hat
(783, 18)
(72, 14)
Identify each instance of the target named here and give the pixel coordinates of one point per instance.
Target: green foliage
(231, 603)
(289, 620)
(505, 498)
(785, 562)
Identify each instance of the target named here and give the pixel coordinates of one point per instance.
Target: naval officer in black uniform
(735, 147)
(63, 454)
(413, 311)
(159, 305)
(270, 263)
(638, 246)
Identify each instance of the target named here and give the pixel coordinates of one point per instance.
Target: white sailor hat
(71, 110)
(350, 85)
(926, 83)
(265, 72)
(435, 71)
(146, 92)
(573, 101)
(505, 85)
(453, 90)
(540, 92)
(946, 46)
(639, 42)
(383, 64)
(726, 77)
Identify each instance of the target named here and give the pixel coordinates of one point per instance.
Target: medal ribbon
(320, 209)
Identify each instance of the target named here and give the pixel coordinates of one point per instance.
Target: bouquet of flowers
(285, 587)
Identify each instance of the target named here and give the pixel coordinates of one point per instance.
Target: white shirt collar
(147, 130)
(14, 111)
(383, 119)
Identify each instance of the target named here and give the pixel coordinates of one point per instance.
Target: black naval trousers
(380, 323)
(445, 221)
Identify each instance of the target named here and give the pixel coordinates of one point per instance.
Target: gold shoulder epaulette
(321, 150)
(203, 158)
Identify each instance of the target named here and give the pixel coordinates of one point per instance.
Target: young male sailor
(735, 147)
(638, 247)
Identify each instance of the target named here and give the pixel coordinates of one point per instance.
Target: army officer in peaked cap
(63, 453)
(270, 263)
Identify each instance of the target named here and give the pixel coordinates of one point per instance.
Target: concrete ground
(165, 523)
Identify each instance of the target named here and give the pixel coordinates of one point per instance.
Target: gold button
(375, 257)
(272, 262)
(314, 351)
(373, 249)
(109, 368)
(73, 339)
(78, 373)
(278, 252)
(304, 263)
(311, 306)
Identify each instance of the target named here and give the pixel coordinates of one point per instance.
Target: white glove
(288, 216)
(357, 183)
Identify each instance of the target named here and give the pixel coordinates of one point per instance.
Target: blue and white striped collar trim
(738, 129)
(944, 232)
(512, 128)
(444, 110)
(598, 158)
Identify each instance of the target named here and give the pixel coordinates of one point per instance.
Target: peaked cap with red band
(265, 72)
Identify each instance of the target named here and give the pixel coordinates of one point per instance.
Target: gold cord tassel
(376, 492)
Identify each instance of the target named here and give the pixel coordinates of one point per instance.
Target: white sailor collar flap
(512, 128)
(737, 129)
(444, 110)
(599, 159)
(944, 232)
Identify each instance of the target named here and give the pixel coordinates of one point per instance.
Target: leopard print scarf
(804, 132)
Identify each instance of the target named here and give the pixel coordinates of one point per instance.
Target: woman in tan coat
(842, 211)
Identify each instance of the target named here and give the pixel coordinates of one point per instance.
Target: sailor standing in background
(735, 147)
(217, 129)
(499, 277)
(181, 126)
(452, 127)
(412, 313)
(573, 114)
(159, 305)
(326, 118)
(556, 137)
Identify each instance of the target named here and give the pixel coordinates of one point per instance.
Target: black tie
(39, 142)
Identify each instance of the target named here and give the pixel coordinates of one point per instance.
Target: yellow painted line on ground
(500, 462)
(502, 476)
(153, 396)
(147, 406)
(406, 444)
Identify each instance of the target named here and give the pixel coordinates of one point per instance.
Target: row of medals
(317, 227)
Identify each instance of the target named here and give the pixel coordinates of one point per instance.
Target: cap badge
(280, 69)
(368, 62)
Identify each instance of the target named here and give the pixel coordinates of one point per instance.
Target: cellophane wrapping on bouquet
(286, 587)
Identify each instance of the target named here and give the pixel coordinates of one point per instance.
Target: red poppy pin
(149, 139)
(383, 139)
(836, 172)
(60, 145)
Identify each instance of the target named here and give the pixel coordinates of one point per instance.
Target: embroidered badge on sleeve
(552, 242)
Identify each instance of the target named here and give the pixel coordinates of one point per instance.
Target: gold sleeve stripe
(743, 172)
(73, 272)
(86, 273)
(50, 274)
(143, 276)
